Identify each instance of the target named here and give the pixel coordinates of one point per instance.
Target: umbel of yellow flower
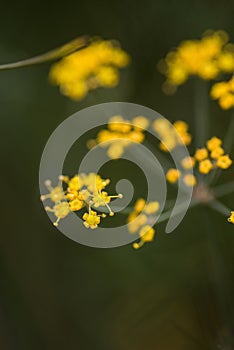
(206, 158)
(120, 133)
(205, 58)
(224, 93)
(171, 135)
(92, 67)
(231, 218)
(212, 156)
(82, 191)
(139, 219)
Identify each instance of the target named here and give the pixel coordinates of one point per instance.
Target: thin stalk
(224, 189)
(229, 137)
(219, 207)
(61, 51)
(227, 144)
(201, 117)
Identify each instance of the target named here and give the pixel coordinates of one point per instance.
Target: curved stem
(223, 189)
(61, 51)
(219, 207)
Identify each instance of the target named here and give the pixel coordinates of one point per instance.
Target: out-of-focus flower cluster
(140, 219)
(172, 135)
(120, 133)
(224, 93)
(82, 191)
(205, 58)
(92, 67)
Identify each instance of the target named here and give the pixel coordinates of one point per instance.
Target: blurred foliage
(175, 293)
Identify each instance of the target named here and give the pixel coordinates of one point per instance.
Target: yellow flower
(205, 166)
(188, 162)
(140, 122)
(205, 58)
(181, 126)
(60, 210)
(152, 207)
(201, 154)
(82, 190)
(139, 205)
(217, 152)
(224, 93)
(91, 219)
(172, 175)
(76, 204)
(213, 143)
(140, 222)
(226, 62)
(121, 133)
(56, 193)
(134, 225)
(224, 162)
(189, 180)
(146, 235)
(231, 218)
(92, 67)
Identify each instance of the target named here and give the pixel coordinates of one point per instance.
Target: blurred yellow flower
(205, 58)
(120, 134)
(171, 135)
(92, 67)
(224, 93)
(139, 221)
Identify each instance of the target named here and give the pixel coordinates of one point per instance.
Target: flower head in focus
(120, 133)
(205, 58)
(81, 191)
(92, 67)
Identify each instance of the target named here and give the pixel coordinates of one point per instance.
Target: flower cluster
(120, 133)
(82, 191)
(231, 218)
(224, 93)
(139, 221)
(205, 58)
(92, 67)
(207, 158)
(171, 135)
(212, 156)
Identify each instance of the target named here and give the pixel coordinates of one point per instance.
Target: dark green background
(176, 293)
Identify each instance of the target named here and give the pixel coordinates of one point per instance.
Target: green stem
(229, 137)
(201, 120)
(219, 207)
(227, 144)
(224, 189)
(61, 51)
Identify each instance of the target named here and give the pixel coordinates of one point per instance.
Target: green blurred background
(176, 293)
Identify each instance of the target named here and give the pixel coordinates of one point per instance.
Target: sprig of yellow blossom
(120, 133)
(205, 58)
(224, 93)
(84, 190)
(92, 67)
(139, 221)
(172, 135)
(205, 160)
